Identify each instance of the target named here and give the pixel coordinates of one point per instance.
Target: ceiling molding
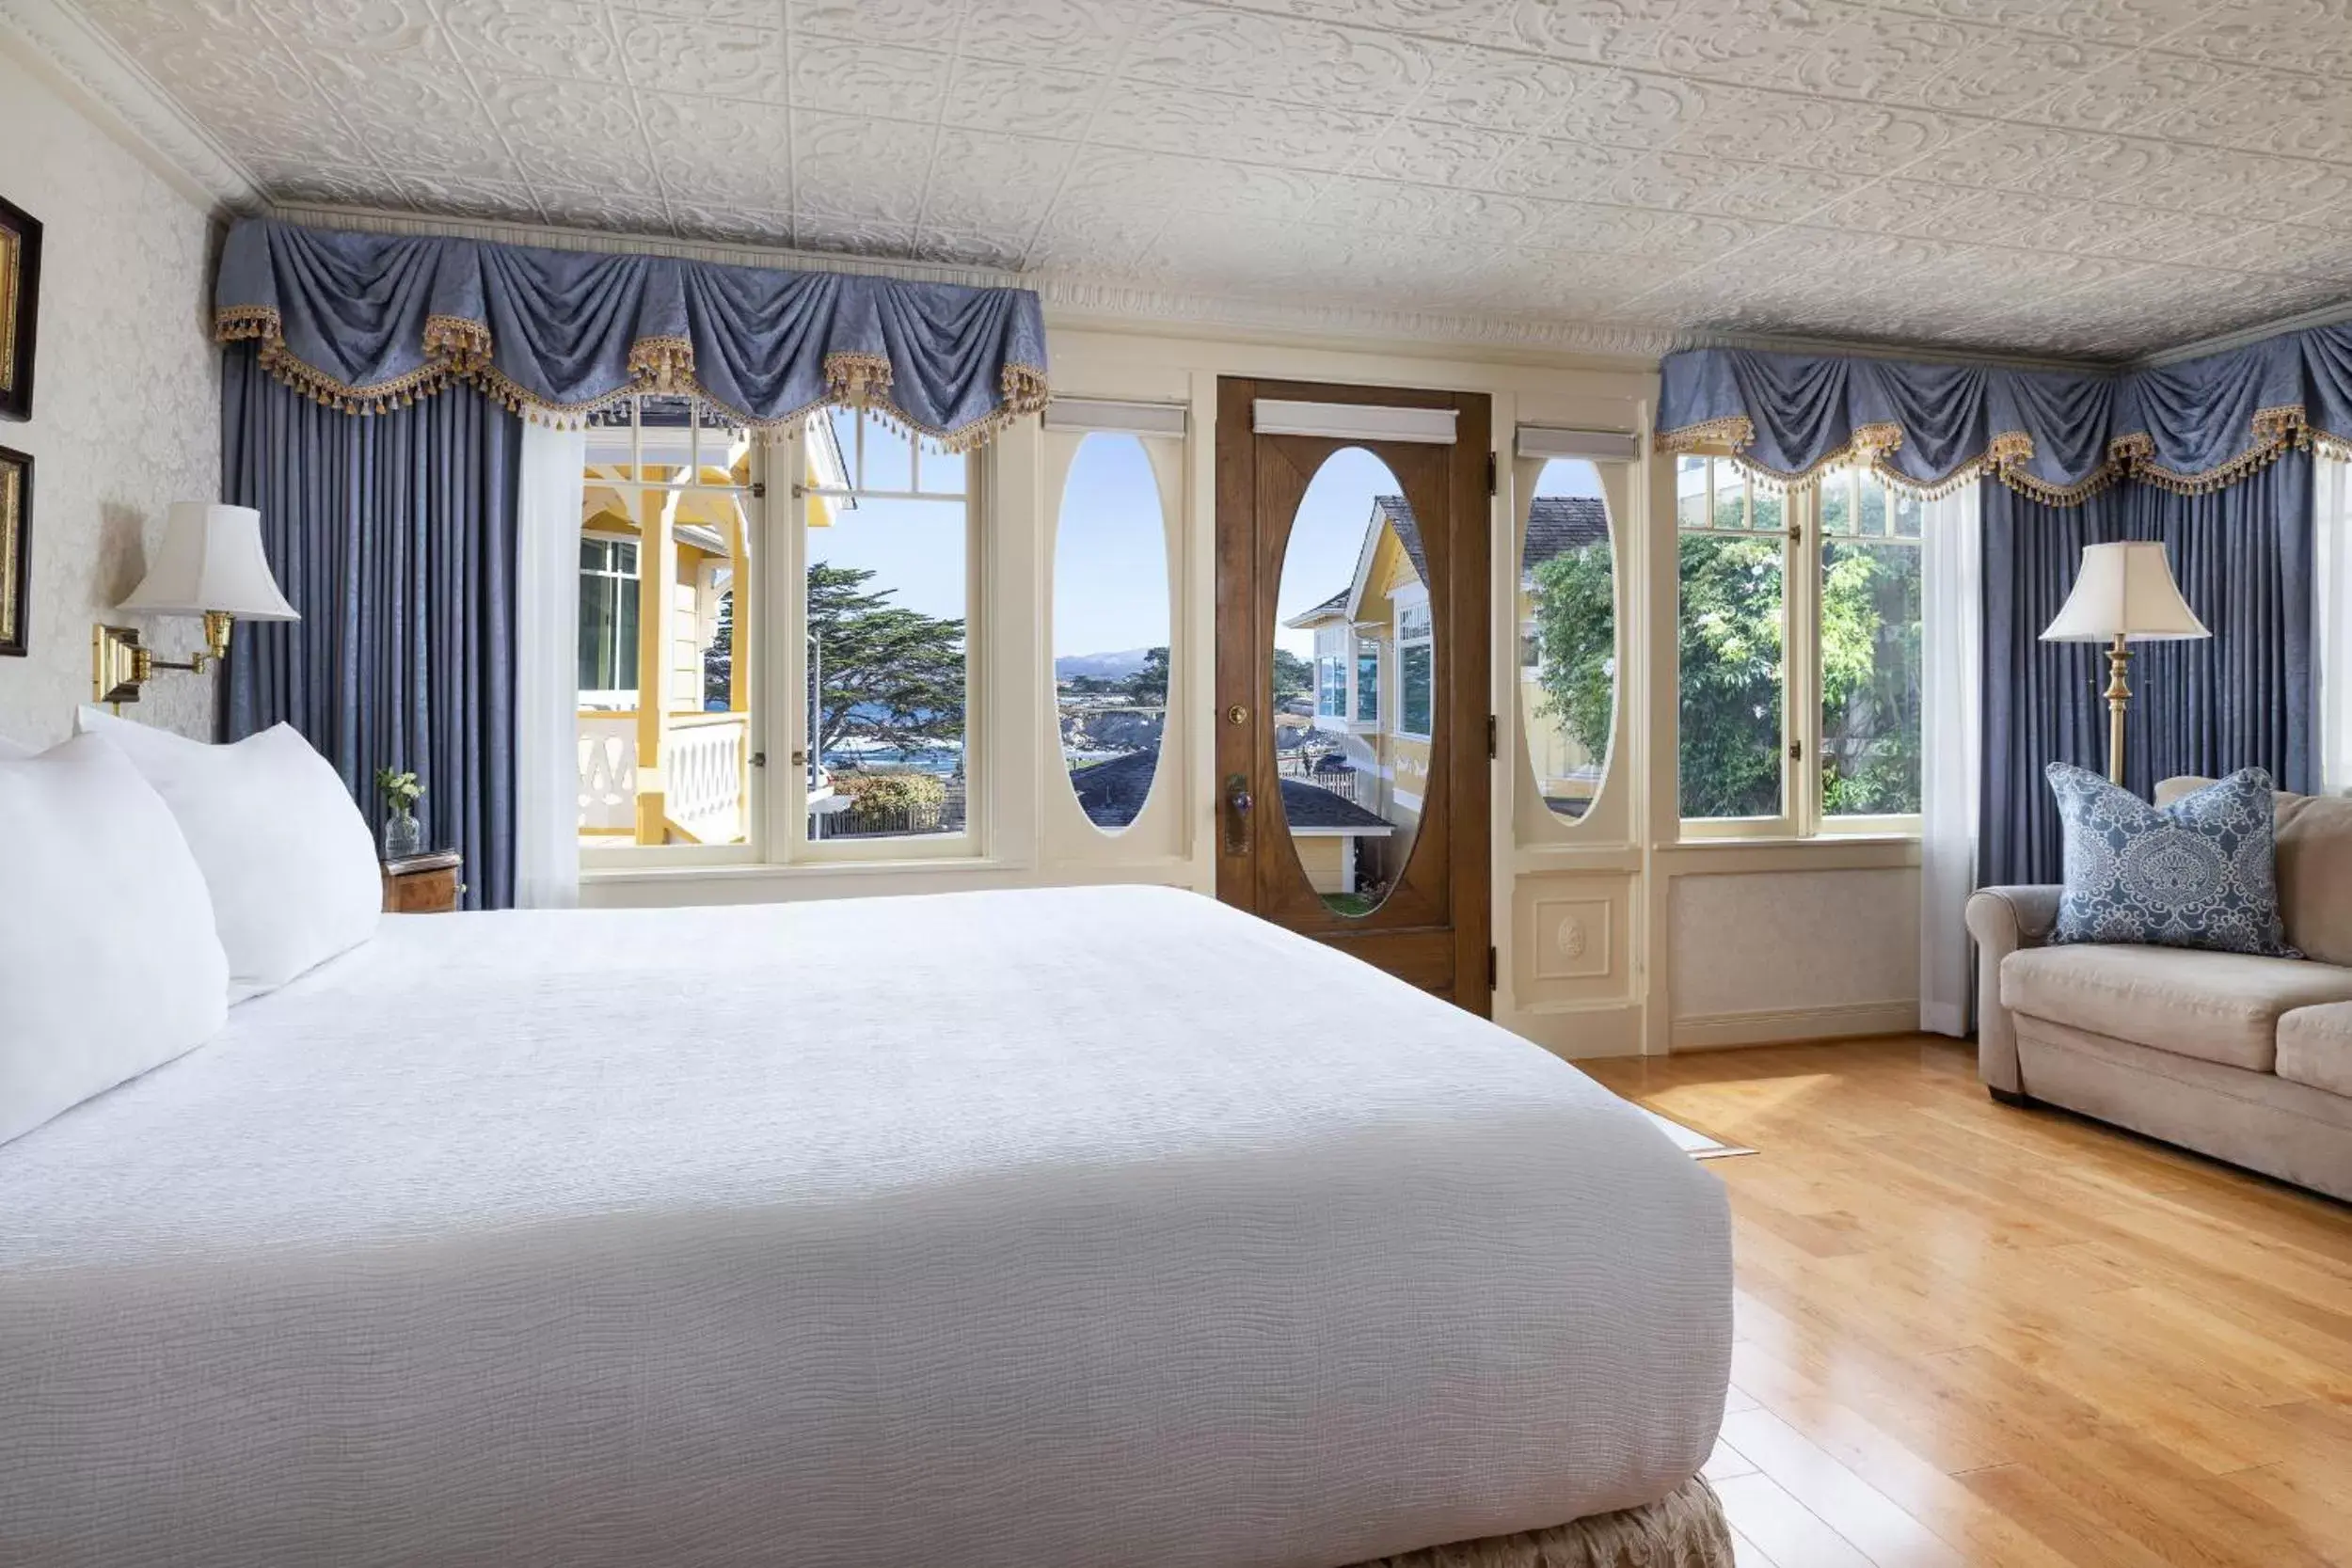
(504, 232)
(120, 99)
(2330, 316)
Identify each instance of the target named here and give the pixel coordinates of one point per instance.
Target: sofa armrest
(2004, 919)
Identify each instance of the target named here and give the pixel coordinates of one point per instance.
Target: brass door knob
(1237, 715)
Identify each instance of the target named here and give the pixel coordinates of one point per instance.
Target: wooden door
(1430, 922)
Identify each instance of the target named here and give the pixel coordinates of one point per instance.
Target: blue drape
(395, 536)
(2243, 698)
(368, 321)
(2055, 435)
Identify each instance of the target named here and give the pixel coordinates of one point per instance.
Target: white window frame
(1801, 543)
(787, 582)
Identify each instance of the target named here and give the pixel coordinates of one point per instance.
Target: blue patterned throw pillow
(2201, 872)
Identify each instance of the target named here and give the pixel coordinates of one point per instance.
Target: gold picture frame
(19, 307)
(16, 549)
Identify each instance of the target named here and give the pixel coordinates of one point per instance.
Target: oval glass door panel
(1567, 606)
(1110, 627)
(1354, 681)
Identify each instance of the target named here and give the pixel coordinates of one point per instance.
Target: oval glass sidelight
(1354, 681)
(1567, 610)
(1110, 627)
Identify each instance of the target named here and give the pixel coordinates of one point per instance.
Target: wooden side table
(429, 883)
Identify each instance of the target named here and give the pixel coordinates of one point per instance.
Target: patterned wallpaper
(126, 401)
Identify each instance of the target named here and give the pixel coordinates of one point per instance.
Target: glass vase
(403, 836)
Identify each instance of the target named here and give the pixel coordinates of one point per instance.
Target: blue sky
(1110, 566)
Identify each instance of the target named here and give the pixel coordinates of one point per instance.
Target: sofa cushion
(2200, 873)
(2215, 1007)
(2315, 1047)
(2314, 834)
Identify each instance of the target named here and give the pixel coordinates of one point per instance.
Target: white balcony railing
(704, 776)
(703, 763)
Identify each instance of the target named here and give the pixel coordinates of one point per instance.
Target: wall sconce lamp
(2125, 594)
(210, 565)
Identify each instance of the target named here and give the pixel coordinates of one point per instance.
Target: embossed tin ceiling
(2048, 176)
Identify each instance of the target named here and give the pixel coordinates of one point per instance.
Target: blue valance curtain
(366, 323)
(2058, 436)
(394, 537)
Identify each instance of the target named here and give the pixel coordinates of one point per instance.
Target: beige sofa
(2247, 1059)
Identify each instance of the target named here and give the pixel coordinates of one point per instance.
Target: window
(1111, 627)
(1330, 687)
(1870, 651)
(885, 607)
(1368, 683)
(665, 708)
(1734, 623)
(1416, 671)
(1800, 640)
(1568, 604)
(608, 622)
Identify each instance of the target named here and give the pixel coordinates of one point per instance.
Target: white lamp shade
(2125, 591)
(211, 560)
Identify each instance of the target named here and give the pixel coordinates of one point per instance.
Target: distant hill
(1106, 667)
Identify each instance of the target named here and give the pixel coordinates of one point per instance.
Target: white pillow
(289, 858)
(11, 751)
(109, 963)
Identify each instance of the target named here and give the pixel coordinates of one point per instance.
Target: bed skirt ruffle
(1685, 1528)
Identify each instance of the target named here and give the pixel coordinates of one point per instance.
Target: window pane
(1771, 509)
(1110, 621)
(1690, 491)
(1869, 679)
(887, 606)
(1873, 496)
(1568, 672)
(1838, 510)
(1731, 495)
(665, 534)
(1352, 775)
(1416, 680)
(944, 472)
(1908, 511)
(1732, 675)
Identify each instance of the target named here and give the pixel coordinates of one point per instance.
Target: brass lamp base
(120, 665)
(2118, 696)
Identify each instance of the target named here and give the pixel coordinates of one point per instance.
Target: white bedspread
(1087, 1228)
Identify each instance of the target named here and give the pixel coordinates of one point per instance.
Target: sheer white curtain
(2332, 619)
(1951, 583)
(547, 670)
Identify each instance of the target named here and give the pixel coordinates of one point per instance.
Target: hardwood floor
(1973, 1334)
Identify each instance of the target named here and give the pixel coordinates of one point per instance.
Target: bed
(1079, 1226)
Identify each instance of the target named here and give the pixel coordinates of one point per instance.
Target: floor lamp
(2124, 593)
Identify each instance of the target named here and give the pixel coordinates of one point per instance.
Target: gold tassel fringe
(458, 348)
(1733, 432)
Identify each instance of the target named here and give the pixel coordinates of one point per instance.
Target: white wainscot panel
(1794, 955)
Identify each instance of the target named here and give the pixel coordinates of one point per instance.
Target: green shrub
(884, 796)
